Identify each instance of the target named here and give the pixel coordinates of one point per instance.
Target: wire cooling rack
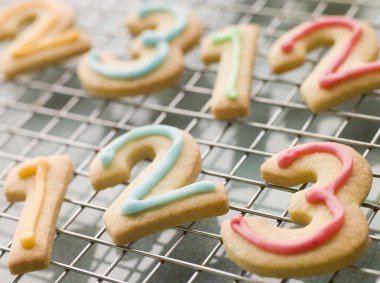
(47, 112)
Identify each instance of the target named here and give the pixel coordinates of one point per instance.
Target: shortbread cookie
(235, 48)
(344, 72)
(164, 194)
(335, 232)
(42, 182)
(165, 32)
(49, 38)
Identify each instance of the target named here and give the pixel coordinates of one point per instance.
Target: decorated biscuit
(164, 32)
(164, 194)
(235, 48)
(49, 37)
(346, 71)
(42, 183)
(335, 232)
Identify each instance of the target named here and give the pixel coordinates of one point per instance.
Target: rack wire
(47, 112)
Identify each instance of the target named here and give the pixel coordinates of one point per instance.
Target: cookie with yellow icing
(50, 36)
(42, 184)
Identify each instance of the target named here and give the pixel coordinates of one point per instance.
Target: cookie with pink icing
(348, 70)
(333, 232)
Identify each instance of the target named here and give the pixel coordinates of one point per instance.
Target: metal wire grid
(37, 110)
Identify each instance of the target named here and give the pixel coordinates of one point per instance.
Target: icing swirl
(325, 194)
(40, 169)
(150, 38)
(134, 202)
(332, 76)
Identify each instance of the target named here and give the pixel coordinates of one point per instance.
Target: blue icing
(152, 38)
(133, 204)
(137, 71)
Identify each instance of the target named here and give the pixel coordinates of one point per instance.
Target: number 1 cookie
(49, 37)
(335, 232)
(346, 71)
(235, 48)
(164, 194)
(42, 183)
(165, 32)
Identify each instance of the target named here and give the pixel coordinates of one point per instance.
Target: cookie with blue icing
(165, 193)
(163, 33)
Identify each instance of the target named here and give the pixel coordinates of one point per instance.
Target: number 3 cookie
(165, 32)
(345, 72)
(336, 232)
(42, 182)
(164, 194)
(49, 38)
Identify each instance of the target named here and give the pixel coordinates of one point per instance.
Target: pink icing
(331, 76)
(315, 195)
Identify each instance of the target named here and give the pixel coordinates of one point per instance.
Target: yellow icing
(43, 33)
(16, 9)
(63, 38)
(11, 18)
(28, 240)
(40, 169)
(40, 28)
(27, 171)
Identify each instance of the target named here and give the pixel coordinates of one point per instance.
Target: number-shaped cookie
(344, 72)
(336, 231)
(49, 38)
(42, 182)
(235, 48)
(161, 196)
(165, 32)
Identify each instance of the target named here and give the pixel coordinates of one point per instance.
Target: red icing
(331, 76)
(315, 195)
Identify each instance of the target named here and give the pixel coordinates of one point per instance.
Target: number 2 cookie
(335, 232)
(48, 38)
(164, 33)
(42, 183)
(346, 71)
(164, 194)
